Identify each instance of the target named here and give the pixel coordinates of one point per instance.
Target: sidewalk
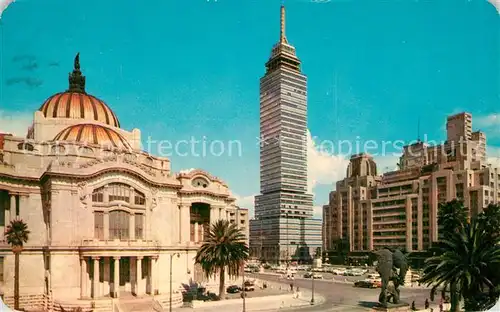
(261, 304)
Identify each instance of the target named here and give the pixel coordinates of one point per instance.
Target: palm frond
(17, 233)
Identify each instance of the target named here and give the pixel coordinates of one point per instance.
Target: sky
(383, 72)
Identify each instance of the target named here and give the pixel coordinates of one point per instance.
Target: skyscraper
(283, 228)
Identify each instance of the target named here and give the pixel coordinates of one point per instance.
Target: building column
(106, 226)
(23, 207)
(139, 291)
(7, 212)
(155, 276)
(107, 276)
(202, 236)
(12, 207)
(196, 231)
(83, 278)
(95, 292)
(184, 222)
(116, 277)
(131, 233)
(214, 211)
(409, 224)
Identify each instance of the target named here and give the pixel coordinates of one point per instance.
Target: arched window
(119, 224)
(119, 191)
(139, 198)
(98, 195)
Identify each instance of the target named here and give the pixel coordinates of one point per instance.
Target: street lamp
(312, 287)
(170, 297)
(287, 255)
(243, 286)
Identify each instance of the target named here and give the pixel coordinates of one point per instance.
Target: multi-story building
(284, 227)
(105, 217)
(399, 208)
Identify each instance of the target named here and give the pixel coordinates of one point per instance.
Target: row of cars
(350, 271)
(249, 285)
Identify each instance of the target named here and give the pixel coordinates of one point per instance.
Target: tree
(463, 261)
(343, 248)
(490, 216)
(225, 248)
(17, 234)
(451, 216)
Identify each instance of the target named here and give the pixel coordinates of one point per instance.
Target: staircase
(136, 304)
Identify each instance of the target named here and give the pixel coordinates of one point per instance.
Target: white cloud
(318, 212)
(496, 4)
(324, 168)
(16, 123)
(187, 170)
(246, 202)
(489, 124)
(3, 5)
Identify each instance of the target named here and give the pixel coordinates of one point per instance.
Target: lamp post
(170, 297)
(287, 243)
(243, 286)
(312, 287)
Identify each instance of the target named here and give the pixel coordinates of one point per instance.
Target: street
(346, 297)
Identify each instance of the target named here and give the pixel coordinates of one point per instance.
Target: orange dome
(76, 103)
(93, 134)
(78, 106)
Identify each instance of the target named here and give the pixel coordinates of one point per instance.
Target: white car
(317, 276)
(338, 271)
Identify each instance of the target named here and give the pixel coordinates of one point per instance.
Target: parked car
(338, 271)
(233, 289)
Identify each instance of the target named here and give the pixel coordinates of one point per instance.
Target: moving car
(233, 289)
(365, 284)
(249, 285)
(313, 275)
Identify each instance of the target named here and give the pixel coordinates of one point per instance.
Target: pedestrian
(291, 286)
(426, 304)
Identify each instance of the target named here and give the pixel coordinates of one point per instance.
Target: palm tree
(463, 261)
(451, 216)
(17, 234)
(224, 248)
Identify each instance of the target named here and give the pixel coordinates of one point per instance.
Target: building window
(119, 191)
(99, 225)
(119, 224)
(98, 195)
(139, 226)
(139, 198)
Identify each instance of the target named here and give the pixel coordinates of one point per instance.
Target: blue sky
(181, 69)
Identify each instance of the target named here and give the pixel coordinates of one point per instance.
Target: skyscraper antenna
(282, 24)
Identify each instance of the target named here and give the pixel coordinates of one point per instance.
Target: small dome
(77, 104)
(93, 134)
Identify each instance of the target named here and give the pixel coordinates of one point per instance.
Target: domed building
(107, 220)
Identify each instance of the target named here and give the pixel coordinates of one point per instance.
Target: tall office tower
(284, 229)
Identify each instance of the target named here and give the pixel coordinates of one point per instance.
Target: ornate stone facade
(105, 217)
